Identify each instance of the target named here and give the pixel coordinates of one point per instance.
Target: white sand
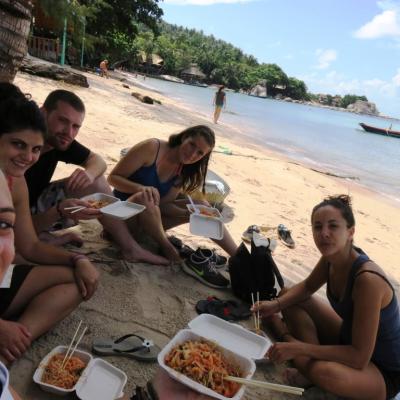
(266, 189)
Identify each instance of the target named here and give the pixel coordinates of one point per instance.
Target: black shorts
(7, 295)
(392, 382)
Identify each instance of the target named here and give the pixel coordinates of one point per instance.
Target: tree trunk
(15, 22)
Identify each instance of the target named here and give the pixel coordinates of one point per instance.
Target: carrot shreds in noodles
(202, 362)
(66, 377)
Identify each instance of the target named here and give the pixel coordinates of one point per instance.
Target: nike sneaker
(204, 270)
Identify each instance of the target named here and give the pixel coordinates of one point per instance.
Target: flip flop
(229, 310)
(131, 345)
(247, 235)
(285, 235)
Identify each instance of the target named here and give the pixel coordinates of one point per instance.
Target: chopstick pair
(75, 208)
(69, 354)
(256, 315)
(266, 385)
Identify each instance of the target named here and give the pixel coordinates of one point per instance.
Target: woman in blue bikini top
(154, 172)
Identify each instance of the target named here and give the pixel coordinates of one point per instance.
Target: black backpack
(254, 272)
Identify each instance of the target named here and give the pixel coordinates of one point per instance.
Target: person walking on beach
(64, 113)
(104, 68)
(351, 347)
(219, 102)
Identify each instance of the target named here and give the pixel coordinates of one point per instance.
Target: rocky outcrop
(38, 67)
(259, 91)
(363, 107)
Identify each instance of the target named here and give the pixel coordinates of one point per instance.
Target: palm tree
(15, 22)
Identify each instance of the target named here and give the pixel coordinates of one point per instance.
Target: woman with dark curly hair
(350, 347)
(155, 171)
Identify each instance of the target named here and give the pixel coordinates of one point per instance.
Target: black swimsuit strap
(158, 150)
(376, 273)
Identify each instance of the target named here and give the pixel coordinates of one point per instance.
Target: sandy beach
(158, 301)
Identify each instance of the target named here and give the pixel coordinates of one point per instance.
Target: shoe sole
(190, 272)
(291, 246)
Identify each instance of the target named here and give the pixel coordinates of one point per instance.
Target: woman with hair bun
(351, 346)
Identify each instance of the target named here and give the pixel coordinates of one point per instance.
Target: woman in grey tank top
(350, 347)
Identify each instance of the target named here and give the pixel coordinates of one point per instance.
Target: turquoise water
(331, 141)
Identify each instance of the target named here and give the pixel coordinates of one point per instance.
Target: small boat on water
(380, 131)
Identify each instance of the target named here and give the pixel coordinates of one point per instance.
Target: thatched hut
(193, 74)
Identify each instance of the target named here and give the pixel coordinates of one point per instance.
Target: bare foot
(142, 255)
(60, 240)
(171, 253)
(294, 378)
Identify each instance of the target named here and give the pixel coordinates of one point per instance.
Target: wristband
(76, 257)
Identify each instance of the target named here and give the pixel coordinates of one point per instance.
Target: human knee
(325, 374)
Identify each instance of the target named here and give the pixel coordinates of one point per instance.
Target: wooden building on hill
(44, 40)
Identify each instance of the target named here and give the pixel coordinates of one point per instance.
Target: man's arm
(95, 165)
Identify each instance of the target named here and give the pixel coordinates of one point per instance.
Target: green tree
(350, 99)
(296, 89)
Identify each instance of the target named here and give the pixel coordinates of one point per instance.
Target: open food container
(206, 221)
(113, 206)
(123, 209)
(99, 380)
(101, 199)
(238, 345)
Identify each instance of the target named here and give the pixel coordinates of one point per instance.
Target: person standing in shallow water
(219, 102)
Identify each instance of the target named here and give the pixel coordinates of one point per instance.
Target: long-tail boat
(380, 131)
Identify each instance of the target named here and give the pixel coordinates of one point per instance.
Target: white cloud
(385, 24)
(325, 58)
(204, 2)
(396, 78)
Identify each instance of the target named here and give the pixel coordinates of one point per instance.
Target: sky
(334, 46)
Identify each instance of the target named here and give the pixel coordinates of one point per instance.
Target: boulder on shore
(363, 107)
(259, 91)
(35, 66)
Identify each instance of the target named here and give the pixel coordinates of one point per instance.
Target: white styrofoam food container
(99, 380)
(101, 196)
(123, 209)
(238, 345)
(205, 225)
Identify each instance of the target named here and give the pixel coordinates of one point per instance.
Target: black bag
(254, 272)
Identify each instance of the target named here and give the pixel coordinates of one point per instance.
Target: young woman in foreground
(352, 347)
(38, 296)
(156, 171)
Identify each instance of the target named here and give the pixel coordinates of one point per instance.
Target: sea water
(328, 140)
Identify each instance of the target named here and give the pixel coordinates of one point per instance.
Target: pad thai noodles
(202, 362)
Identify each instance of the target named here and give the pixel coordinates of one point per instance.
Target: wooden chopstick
(76, 345)
(266, 385)
(258, 311)
(254, 314)
(72, 208)
(70, 345)
(78, 209)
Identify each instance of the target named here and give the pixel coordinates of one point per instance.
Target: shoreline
(266, 189)
(303, 102)
(241, 134)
